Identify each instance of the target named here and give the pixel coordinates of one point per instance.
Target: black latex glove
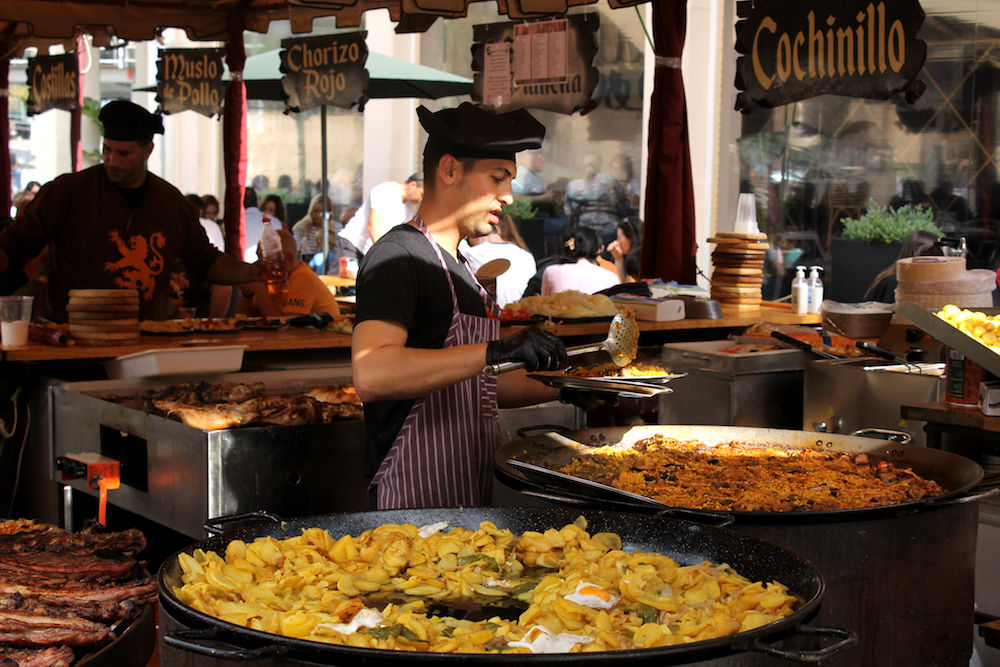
(587, 400)
(539, 350)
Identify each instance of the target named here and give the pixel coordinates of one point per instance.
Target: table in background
(943, 418)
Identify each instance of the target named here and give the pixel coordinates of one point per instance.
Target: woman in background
(583, 275)
(628, 240)
(306, 229)
(273, 207)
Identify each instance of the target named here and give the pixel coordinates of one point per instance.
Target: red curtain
(76, 116)
(5, 167)
(668, 243)
(234, 150)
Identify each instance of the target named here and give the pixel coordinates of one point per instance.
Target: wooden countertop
(295, 338)
(292, 338)
(951, 415)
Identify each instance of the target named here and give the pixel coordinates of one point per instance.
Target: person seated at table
(583, 275)
(306, 292)
(308, 230)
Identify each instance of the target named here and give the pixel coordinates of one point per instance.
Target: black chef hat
(469, 131)
(125, 121)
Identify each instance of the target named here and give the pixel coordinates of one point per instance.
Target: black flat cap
(469, 131)
(125, 121)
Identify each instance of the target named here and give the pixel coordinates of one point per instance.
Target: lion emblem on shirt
(141, 262)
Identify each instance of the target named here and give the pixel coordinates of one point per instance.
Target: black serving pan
(685, 542)
(957, 475)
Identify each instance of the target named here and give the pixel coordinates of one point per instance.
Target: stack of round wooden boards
(738, 268)
(103, 316)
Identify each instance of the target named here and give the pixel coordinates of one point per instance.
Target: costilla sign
(54, 83)
(190, 79)
(327, 70)
(793, 50)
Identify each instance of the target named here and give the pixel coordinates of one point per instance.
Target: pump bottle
(815, 289)
(800, 291)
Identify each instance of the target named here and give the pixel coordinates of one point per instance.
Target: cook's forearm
(515, 389)
(226, 270)
(397, 372)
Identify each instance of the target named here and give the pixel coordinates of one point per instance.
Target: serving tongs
(802, 345)
(622, 344)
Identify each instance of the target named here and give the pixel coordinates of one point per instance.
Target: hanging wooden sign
(190, 80)
(536, 65)
(53, 83)
(326, 70)
(797, 49)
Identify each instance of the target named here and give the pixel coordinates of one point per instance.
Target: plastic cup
(15, 315)
(746, 214)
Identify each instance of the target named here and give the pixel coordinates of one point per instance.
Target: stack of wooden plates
(103, 316)
(738, 268)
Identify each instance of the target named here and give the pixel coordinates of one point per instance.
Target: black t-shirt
(400, 279)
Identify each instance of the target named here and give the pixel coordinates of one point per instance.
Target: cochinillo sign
(327, 70)
(53, 83)
(190, 79)
(794, 49)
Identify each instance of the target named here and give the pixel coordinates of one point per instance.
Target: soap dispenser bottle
(800, 291)
(815, 289)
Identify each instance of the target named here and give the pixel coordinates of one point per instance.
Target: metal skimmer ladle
(622, 344)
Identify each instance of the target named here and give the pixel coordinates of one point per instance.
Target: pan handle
(943, 501)
(526, 431)
(704, 517)
(188, 641)
(901, 437)
(844, 638)
(214, 526)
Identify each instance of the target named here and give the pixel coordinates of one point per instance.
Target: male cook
(116, 226)
(423, 331)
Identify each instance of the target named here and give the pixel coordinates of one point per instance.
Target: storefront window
(817, 162)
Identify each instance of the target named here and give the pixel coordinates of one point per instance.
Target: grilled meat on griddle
(32, 631)
(51, 656)
(61, 588)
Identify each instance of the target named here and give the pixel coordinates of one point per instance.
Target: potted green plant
(869, 244)
(529, 225)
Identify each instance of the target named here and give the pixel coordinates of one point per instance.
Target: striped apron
(443, 454)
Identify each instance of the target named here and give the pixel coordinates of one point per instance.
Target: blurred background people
(583, 275)
(253, 225)
(273, 207)
(387, 205)
(596, 200)
(627, 240)
(308, 230)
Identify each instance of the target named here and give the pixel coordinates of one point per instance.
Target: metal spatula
(622, 344)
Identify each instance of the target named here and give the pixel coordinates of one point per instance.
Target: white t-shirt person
(392, 203)
(512, 282)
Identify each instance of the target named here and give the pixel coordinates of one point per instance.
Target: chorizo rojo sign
(793, 50)
(327, 70)
(53, 83)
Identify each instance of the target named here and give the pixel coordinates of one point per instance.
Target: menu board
(53, 83)
(536, 65)
(190, 80)
(326, 70)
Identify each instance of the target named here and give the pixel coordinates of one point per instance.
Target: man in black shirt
(424, 330)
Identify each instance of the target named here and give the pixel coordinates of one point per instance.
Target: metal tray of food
(605, 385)
(929, 322)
